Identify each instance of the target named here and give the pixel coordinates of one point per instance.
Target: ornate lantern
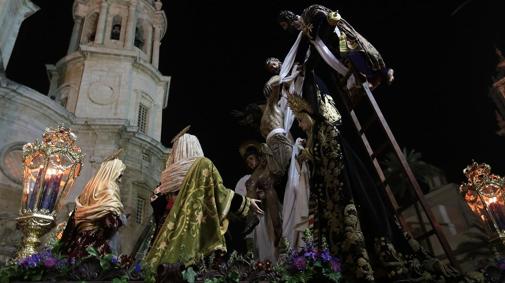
(484, 194)
(50, 168)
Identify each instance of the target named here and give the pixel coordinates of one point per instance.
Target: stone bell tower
(111, 69)
(110, 81)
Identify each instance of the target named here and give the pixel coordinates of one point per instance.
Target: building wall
(24, 115)
(458, 223)
(12, 14)
(95, 90)
(24, 119)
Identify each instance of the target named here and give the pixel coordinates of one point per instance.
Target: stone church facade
(109, 91)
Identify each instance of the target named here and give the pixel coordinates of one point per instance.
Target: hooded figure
(186, 149)
(196, 224)
(98, 210)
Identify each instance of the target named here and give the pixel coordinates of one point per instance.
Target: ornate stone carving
(101, 93)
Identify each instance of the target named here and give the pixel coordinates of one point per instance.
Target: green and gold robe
(196, 224)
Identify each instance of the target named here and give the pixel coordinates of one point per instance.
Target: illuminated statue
(98, 212)
(197, 222)
(334, 41)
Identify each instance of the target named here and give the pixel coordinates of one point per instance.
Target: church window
(139, 36)
(115, 32)
(139, 215)
(143, 118)
(146, 156)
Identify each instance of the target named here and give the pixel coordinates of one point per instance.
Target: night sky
(214, 52)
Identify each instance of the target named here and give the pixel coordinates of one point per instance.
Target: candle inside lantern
(54, 191)
(50, 166)
(48, 178)
(35, 189)
(53, 178)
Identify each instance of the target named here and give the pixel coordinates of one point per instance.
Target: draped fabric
(264, 239)
(98, 212)
(196, 224)
(295, 207)
(332, 205)
(100, 196)
(317, 18)
(240, 187)
(263, 234)
(295, 82)
(351, 213)
(185, 151)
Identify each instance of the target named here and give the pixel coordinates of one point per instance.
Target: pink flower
(299, 263)
(50, 262)
(501, 264)
(335, 265)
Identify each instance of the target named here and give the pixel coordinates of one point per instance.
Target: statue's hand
(299, 68)
(272, 82)
(255, 207)
(303, 156)
(302, 143)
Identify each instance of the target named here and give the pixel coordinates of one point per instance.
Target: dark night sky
(214, 51)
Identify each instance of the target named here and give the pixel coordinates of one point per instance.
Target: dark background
(443, 53)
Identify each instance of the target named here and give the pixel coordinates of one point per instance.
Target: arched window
(115, 33)
(89, 30)
(139, 36)
(144, 111)
(139, 213)
(143, 118)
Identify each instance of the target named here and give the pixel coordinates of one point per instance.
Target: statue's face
(297, 24)
(284, 25)
(252, 161)
(274, 66)
(291, 26)
(304, 122)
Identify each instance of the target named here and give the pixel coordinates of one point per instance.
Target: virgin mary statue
(196, 224)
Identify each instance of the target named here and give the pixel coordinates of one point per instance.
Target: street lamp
(485, 195)
(50, 168)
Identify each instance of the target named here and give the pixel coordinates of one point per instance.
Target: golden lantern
(50, 168)
(484, 194)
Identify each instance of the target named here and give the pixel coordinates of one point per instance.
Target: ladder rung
(425, 235)
(435, 226)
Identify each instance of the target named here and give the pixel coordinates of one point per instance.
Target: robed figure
(98, 212)
(196, 224)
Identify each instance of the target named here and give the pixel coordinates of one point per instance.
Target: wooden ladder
(376, 118)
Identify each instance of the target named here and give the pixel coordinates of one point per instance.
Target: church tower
(109, 81)
(111, 69)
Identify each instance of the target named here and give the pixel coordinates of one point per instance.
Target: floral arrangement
(308, 264)
(48, 265)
